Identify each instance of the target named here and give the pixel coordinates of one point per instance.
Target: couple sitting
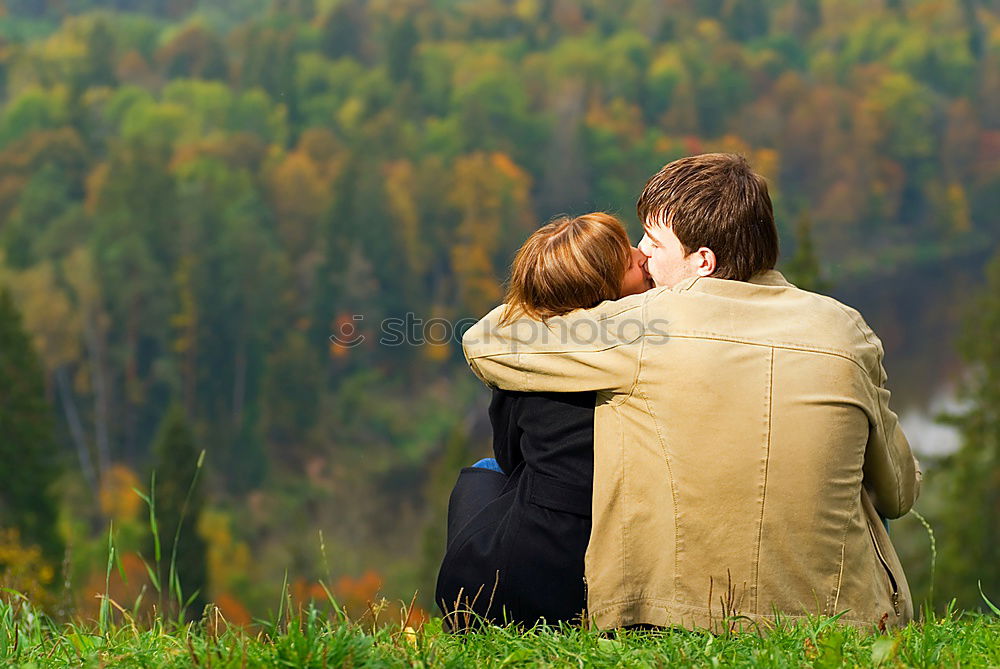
(718, 447)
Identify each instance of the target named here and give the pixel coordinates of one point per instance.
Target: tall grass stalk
(173, 584)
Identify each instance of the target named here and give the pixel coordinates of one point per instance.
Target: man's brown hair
(715, 200)
(571, 263)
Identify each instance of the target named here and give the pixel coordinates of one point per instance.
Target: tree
(193, 52)
(400, 46)
(492, 195)
(345, 31)
(745, 19)
(969, 525)
(803, 268)
(26, 438)
(290, 390)
(178, 502)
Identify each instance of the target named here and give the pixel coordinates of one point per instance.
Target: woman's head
(573, 263)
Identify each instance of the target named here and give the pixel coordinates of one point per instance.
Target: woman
(519, 524)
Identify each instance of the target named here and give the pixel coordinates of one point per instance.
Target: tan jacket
(742, 443)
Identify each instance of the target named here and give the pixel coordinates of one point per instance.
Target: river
(918, 314)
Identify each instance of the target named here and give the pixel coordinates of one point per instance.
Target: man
(744, 447)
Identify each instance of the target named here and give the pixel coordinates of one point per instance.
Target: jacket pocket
(893, 583)
(550, 493)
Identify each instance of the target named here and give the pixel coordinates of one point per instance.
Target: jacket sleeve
(891, 474)
(586, 350)
(506, 431)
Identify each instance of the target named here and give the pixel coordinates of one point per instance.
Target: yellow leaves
(228, 559)
(477, 277)
(958, 206)
(527, 10)
(185, 321)
(709, 31)
(52, 321)
(491, 194)
(764, 161)
(400, 189)
(436, 352)
(492, 185)
(351, 114)
(117, 497)
(78, 269)
(23, 570)
(438, 335)
(622, 118)
(325, 150)
(767, 163)
(96, 181)
(508, 168)
(951, 206)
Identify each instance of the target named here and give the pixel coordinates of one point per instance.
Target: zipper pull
(895, 602)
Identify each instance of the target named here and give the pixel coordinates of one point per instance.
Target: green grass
(311, 638)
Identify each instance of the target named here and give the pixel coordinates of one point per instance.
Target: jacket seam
(638, 367)
(887, 438)
(625, 526)
(497, 354)
(879, 422)
(843, 552)
(763, 494)
(673, 488)
(623, 311)
(784, 346)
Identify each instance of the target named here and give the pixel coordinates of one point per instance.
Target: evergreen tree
(27, 447)
(969, 526)
(400, 47)
(803, 268)
(178, 502)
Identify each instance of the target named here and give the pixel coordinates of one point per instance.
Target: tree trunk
(75, 427)
(240, 381)
(96, 346)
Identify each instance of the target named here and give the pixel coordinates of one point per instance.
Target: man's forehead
(656, 222)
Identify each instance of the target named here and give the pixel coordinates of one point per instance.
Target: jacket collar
(768, 277)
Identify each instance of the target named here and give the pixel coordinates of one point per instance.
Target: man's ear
(704, 261)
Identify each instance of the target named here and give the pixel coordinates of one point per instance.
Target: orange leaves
(125, 592)
(232, 609)
(345, 332)
(354, 594)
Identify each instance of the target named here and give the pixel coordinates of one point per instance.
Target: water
(918, 313)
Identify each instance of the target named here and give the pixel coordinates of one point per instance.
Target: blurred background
(195, 194)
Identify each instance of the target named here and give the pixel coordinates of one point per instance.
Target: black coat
(516, 542)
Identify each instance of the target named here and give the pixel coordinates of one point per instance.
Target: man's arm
(891, 473)
(586, 350)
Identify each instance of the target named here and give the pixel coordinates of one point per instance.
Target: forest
(196, 195)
